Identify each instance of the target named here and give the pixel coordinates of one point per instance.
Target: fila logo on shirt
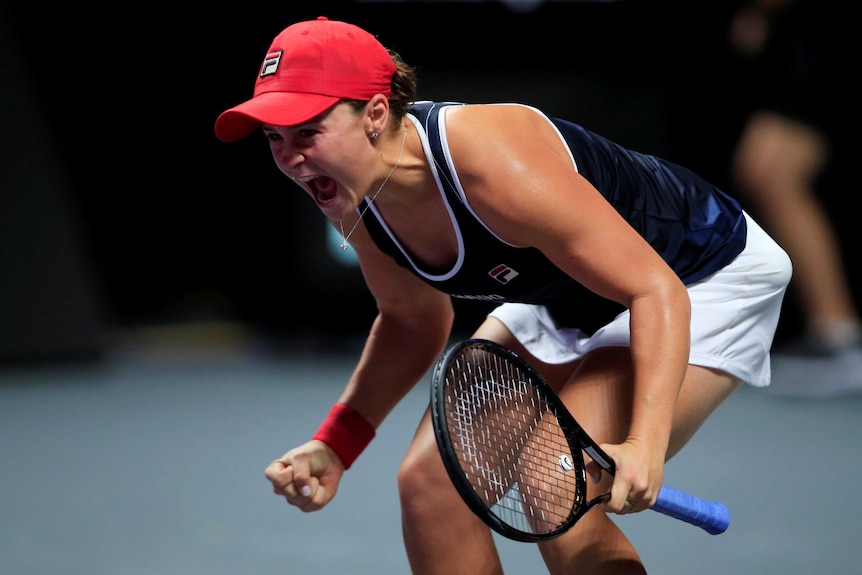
(503, 274)
(270, 63)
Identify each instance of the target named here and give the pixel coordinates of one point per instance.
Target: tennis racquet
(515, 453)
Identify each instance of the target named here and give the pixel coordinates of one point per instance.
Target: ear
(377, 114)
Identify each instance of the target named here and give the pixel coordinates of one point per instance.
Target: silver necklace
(371, 201)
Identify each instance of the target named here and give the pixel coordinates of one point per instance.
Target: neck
(344, 243)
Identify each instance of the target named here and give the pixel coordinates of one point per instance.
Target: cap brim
(275, 108)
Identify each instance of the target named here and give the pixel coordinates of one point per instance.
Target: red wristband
(346, 432)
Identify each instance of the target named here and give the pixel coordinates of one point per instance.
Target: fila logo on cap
(270, 63)
(503, 274)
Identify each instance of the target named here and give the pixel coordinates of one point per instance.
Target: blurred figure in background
(790, 49)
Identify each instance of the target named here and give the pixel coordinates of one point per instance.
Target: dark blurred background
(120, 210)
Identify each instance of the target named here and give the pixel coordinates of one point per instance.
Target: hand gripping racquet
(515, 453)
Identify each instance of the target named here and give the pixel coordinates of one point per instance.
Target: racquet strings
(509, 443)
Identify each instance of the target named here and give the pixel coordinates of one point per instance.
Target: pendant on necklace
(343, 245)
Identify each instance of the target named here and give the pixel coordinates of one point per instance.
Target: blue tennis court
(152, 461)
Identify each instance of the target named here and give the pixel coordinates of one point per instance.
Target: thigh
(774, 150)
(597, 390)
(434, 518)
(555, 374)
(702, 391)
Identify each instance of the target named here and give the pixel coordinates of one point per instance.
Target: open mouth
(323, 189)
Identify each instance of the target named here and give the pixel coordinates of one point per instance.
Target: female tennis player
(642, 293)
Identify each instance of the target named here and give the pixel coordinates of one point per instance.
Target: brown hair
(404, 83)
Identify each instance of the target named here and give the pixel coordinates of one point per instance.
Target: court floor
(152, 464)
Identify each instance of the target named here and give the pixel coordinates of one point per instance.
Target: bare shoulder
(493, 139)
(514, 166)
(496, 109)
(493, 118)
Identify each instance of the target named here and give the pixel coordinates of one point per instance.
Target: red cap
(308, 68)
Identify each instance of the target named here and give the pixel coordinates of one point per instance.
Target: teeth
(305, 180)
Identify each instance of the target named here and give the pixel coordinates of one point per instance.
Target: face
(328, 156)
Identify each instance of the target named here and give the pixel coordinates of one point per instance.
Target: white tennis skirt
(734, 315)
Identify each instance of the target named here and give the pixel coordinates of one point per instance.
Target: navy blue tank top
(695, 227)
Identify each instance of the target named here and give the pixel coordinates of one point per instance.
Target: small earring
(374, 135)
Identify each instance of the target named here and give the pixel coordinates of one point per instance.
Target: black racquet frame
(516, 490)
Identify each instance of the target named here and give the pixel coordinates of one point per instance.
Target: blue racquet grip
(712, 516)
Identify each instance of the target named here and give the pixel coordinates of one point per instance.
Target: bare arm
(412, 326)
(411, 329)
(556, 210)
